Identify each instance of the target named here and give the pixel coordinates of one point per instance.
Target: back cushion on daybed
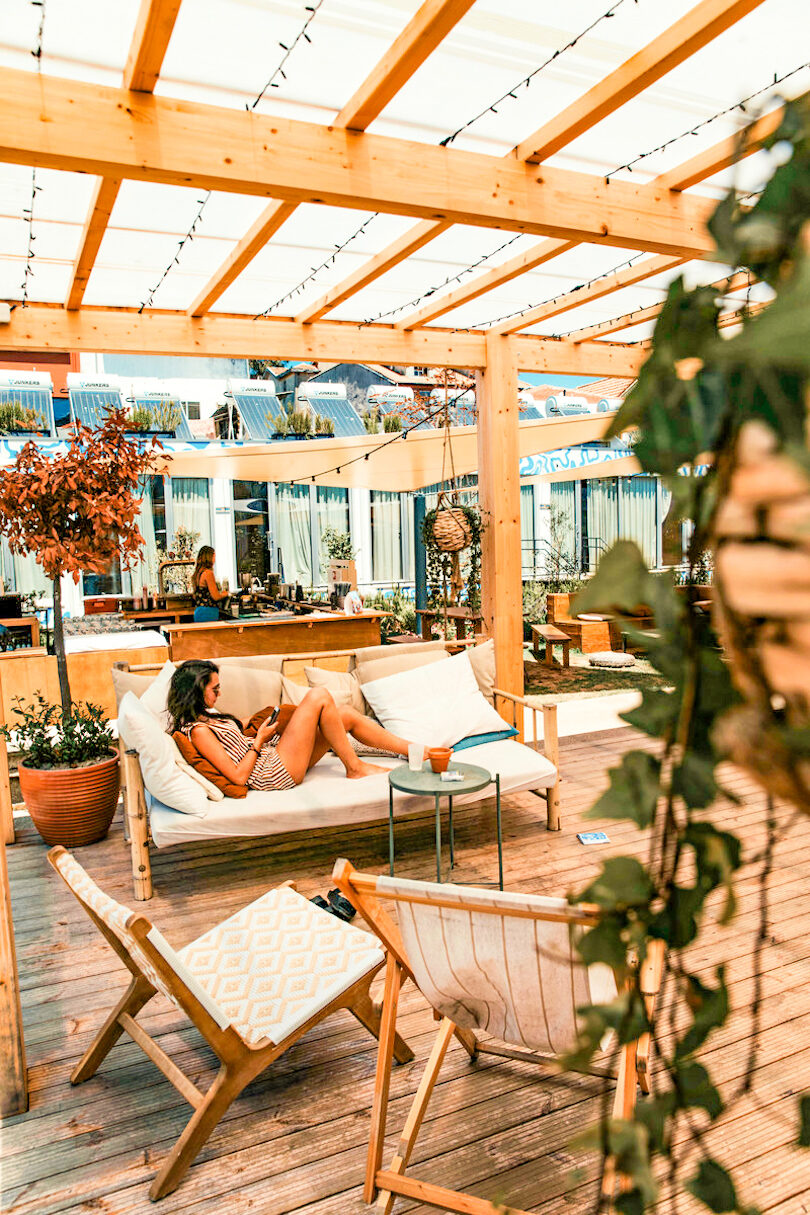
(158, 755)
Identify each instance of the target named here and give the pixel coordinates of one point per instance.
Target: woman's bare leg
(318, 714)
(371, 732)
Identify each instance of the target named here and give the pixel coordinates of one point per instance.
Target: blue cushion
(478, 740)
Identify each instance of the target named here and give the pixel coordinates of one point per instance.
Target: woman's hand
(266, 731)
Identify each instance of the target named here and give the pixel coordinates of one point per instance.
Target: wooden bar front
(301, 635)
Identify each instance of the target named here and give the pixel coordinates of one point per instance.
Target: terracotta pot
(439, 758)
(71, 806)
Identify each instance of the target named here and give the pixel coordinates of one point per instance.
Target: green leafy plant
(164, 417)
(296, 422)
(16, 418)
(338, 545)
(392, 423)
(47, 738)
(403, 618)
(440, 564)
(324, 426)
(696, 395)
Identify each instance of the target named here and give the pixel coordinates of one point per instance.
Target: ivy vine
(695, 396)
(439, 564)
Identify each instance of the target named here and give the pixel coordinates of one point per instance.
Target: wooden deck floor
(295, 1141)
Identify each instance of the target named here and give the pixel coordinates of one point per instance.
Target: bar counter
(266, 635)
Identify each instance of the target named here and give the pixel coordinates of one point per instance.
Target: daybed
(325, 797)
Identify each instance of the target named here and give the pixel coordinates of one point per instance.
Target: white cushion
(398, 658)
(482, 661)
(158, 755)
(437, 705)
(127, 681)
(155, 696)
(611, 658)
(292, 693)
(246, 689)
(342, 684)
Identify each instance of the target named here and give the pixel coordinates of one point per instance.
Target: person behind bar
(208, 598)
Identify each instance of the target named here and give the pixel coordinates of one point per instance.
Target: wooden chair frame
(386, 1184)
(240, 1062)
(136, 813)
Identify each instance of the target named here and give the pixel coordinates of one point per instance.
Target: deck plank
(294, 1143)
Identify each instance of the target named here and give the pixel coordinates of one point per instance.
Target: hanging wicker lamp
(451, 529)
(761, 608)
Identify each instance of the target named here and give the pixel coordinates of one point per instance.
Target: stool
(551, 636)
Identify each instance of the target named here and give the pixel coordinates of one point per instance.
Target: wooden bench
(551, 636)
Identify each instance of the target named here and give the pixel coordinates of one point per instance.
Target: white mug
(416, 756)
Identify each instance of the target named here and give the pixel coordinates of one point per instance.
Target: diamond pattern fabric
(277, 962)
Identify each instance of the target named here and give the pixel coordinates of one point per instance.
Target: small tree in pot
(75, 511)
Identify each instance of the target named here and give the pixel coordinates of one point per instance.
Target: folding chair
(485, 960)
(252, 986)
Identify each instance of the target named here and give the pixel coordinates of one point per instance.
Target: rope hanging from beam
(28, 212)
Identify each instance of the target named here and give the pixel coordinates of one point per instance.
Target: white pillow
(292, 693)
(437, 705)
(246, 689)
(482, 661)
(342, 684)
(155, 696)
(158, 755)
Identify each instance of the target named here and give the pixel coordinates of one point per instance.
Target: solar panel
(253, 410)
(182, 430)
(39, 399)
(90, 405)
(346, 419)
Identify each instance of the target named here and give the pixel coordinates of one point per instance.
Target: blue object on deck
(592, 837)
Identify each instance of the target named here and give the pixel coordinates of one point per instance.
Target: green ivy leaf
(654, 1114)
(633, 791)
(627, 1142)
(677, 922)
(694, 780)
(620, 582)
(604, 943)
(631, 1203)
(713, 1186)
(696, 1088)
(804, 1114)
(623, 882)
(709, 1007)
(657, 712)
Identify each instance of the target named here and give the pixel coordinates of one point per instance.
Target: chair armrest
(550, 737)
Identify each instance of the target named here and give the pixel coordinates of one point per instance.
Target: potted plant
(75, 511)
(341, 556)
(444, 539)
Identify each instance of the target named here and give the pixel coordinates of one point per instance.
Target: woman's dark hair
(186, 699)
(205, 561)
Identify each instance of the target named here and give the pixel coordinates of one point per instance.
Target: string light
(312, 10)
(527, 80)
(28, 212)
(189, 236)
(739, 105)
(315, 270)
(403, 434)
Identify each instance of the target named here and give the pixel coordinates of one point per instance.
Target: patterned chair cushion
(277, 962)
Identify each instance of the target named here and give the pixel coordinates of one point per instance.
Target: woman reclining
(270, 760)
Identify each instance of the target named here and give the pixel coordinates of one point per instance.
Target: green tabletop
(431, 783)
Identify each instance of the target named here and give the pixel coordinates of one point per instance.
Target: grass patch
(582, 679)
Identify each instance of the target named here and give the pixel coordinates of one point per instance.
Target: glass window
(192, 410)
(386, 550)
(293, 522)
(601, 519)
(251, 527)
(638, 515)
(562, 530)
(333, 511)
(191, 509)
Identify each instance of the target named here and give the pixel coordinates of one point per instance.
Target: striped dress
(268, 772)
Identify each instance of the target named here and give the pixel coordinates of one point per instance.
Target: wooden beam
(430, 24)
(694, 170)
(691, 32)
(13, 1074)
(421, 35)
(412, 240)
(153, 30)
(264, 228)
(61, 124)
(499, 496)
(49, 327)
(724, 286)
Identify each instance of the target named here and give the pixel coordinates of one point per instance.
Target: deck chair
(252, 986)
(485, 960)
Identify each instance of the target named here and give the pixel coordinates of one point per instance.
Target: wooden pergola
(130, 134)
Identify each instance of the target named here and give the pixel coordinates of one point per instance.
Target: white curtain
(293, 521)
(562, 526)
(333, 511)
(190, 508)
(385, 536)
(527, 529)
(638, 514)
(408, 540)
(28, 575)
(603, 517)
(145, 570)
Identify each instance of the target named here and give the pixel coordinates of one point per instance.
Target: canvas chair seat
(277, 962)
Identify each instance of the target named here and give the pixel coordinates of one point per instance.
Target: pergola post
(13, 1077)
(499, 497)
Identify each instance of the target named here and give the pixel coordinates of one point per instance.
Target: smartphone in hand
(273, 716)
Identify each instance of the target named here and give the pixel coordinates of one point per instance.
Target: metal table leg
(438, 839)
(452, 850)
(500, 835)
(391, 829)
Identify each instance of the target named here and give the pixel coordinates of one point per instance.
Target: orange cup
(439, 758)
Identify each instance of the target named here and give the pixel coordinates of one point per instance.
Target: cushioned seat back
(515, 975)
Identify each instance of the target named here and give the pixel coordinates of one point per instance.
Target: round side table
(427, 783)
